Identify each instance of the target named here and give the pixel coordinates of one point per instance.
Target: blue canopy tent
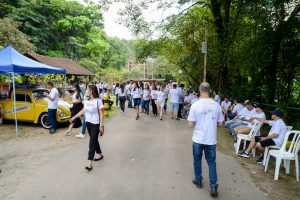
(11, 61)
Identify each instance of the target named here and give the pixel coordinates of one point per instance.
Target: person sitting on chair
(275, 136)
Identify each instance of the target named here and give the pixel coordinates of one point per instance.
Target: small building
(72, 68)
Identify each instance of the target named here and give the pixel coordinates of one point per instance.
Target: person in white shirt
(275, 136)
(93, 112)
(77, 99)
(204, 116)
(136, 95)
(146, 98)
(167, 91)
(225, 107)
(160, 101)
(242, 118)
(117, 93)
(153, 98)
(174, 94)
(245, 129)
(52, 106)
(236, 109)
(217, 98)
(122, 97)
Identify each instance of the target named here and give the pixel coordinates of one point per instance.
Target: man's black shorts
(264, 143)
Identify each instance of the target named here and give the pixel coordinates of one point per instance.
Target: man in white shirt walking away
(174, 101)
(205, 115)
(52, 106)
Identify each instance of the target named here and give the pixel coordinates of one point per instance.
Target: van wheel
(44, 121)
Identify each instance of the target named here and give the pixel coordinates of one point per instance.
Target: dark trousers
(180, 110)
(52, 118)
(122, 103)
(94, 146)
(154, 107)
(129, 101)
(117, 99)
(165, 106)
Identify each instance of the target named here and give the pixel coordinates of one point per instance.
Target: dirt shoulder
(285, 188)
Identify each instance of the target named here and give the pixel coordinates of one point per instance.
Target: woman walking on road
(160, 101)
(153, 100)
(146, 98)
(122, 97)
(93, 112)
(136, 94)
(77, 99)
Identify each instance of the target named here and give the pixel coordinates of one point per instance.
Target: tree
(10, 35)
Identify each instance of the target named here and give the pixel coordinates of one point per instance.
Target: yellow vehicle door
(25, 107)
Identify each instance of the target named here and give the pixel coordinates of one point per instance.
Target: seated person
(225, 105)
(236, 109)
(245, 129)
(275, 136)
(242, 118)
(105, 93)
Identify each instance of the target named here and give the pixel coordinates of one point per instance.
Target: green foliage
(10, 35)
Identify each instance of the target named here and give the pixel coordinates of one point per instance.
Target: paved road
(146, 159)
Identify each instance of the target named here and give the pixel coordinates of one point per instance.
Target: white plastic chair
(288, 128)
(255, 129)
(287, 154)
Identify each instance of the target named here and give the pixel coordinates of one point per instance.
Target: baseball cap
(278, 113)
(259, 105)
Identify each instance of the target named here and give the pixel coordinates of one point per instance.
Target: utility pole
(145, 70)
(152, 70)
(204, 50)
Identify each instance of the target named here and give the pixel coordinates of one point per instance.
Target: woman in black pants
(122, 97)
(154, 99)
(93, 113)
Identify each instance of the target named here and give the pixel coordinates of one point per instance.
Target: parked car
(32, 106)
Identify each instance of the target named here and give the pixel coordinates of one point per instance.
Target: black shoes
(89, 168)
(52, 131)
(198, 184)
(97, 159)
(214, 191)
(260, 160)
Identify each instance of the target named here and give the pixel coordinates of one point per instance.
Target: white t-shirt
(194, 100)
(217, 99)
(146, 95)
(74, 98)
(237, 108)
(154, 94)
(225, 105)
(174, 95)
(160, 96)
(136, 93)
(206, 113)
(247, 114)
(278, 127)
(117, 92)
(257, 115)
(91, 112)
(52, 104)
(120, 93)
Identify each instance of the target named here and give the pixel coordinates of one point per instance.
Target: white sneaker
(80, 136)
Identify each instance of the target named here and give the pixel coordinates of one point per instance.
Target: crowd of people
(202, 111)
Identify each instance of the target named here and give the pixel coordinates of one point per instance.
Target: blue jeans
(83, 128)
(129, 101)
(142, 104)
(146, 104)
(210, 156)
(52, 118)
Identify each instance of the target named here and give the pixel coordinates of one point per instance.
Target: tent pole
(65, 83)
(15, 109)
